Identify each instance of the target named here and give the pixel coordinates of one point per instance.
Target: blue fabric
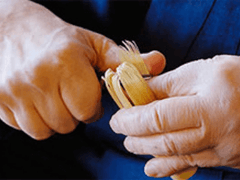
(183, 30)
(173, 26)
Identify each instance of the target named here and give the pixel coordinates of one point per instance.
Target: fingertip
(158, 167)
(128, 144)
(150, 169)
(173, 166)
(41, 137)
(155, 62)
(114, 125)
(98, 114)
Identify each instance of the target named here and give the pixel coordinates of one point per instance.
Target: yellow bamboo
(134, 85)
(130, 53)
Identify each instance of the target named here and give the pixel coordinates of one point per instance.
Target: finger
(155, 62)
(49, 105)
(54, 113)
(98, 114)
(179, 82)
(162, 116)
(6, 108)
(180, 142)
(107, 53)
(106, 50)
(81, 90)
(31, 122)
(169, 165)
(6, 115)
(166, 166)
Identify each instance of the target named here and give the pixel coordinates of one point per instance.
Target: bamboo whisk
(128, 87)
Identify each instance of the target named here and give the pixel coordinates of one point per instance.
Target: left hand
(195, 122)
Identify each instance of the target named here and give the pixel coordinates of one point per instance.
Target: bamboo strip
(130, 53)
(135, 86)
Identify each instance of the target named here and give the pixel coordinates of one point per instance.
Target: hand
(47, 77)
(195, 122)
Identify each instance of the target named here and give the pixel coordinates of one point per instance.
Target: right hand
(47, 79)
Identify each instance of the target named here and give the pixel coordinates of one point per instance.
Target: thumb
(107, 52)
(155, 62)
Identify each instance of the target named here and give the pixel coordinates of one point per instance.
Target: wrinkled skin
(195, 122)
(47, 77)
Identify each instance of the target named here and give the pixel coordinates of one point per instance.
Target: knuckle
(188, 160)
(158, 120)
(169, 145)
(160, 116)
(216, 57)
